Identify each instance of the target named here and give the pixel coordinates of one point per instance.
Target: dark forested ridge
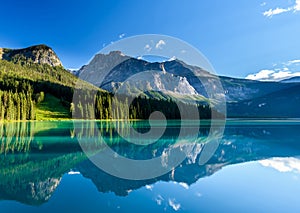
(26, 79)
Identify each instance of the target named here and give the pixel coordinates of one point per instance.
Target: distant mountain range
(292, 80)
(178, 80)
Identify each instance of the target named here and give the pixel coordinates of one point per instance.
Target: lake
(255, 168)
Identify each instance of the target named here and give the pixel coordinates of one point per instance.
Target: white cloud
(278, 72)
(288, 164)
(148, 47)
(174, 205)
(284, 75)
(261, 75)
(297, 6)
(160, 44)
(296, 61)
(271, 12)
(121, 35)
(271, 75)
(173, 58)
(263, 4)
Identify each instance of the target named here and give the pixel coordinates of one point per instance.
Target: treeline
(16, 106)
(104, 105)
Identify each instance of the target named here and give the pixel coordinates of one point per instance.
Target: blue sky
(238, 37)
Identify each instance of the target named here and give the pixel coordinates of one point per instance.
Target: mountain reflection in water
(35, 155)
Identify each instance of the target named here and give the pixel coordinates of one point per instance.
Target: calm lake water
(256, 168)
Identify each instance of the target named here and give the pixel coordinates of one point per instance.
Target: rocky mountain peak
(39, 54)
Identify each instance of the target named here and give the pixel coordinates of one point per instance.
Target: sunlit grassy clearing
(51, 109)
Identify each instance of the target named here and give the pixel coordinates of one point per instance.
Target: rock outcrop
(39, 54)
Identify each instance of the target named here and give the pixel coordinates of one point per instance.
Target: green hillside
(21, 86)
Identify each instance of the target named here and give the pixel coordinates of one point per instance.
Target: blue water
(256, 168)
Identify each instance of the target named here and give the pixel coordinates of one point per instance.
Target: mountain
(291, 80)
(95, 70)
(177, 80)
(278, 104)
(109, 71)
(39, 54)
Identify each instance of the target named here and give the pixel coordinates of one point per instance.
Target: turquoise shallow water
(255, 168)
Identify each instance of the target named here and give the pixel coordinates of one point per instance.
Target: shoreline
(227, 120)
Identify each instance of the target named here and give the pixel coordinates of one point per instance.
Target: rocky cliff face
(95, 72)
(39, 54)
(116, 71)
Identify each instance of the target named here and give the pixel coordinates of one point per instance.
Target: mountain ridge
(295, 79)
(38, 54)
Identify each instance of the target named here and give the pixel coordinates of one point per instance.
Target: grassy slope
(51, 109)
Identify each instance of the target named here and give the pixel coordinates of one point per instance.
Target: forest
(24, 86)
